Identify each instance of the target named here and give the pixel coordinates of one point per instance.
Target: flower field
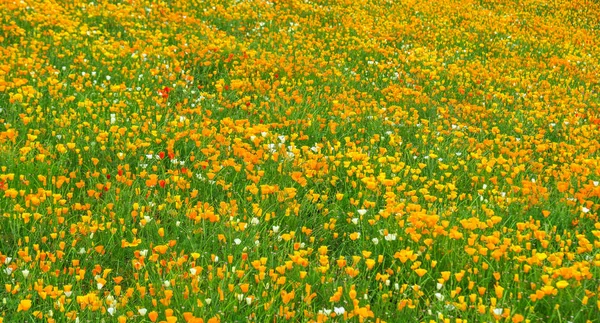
(299, 160)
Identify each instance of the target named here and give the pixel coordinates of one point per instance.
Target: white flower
(7, 260)
(497, 311)
(439, 286)
(111, 311)
(108, 77)
(167, 283)
(25, 273)
(193, 271)
(99, 285)
(362, 211)
(584, 209)
(275, 228)
(68, 294)
(113, 118)
(391, 237)
(8, 270)
(595, 183)
(254, 221)
(82, 251)
(375, 240)
(207, 301)
(144, 253)
(142, 311)
(249, 300)
(339, 310)
(355, 220)
(237, 241)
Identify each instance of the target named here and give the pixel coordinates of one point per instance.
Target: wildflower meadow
(299, 161)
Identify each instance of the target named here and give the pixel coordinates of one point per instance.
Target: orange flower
(153, 316)
(162, 249)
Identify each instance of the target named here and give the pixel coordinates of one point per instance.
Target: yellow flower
(421, 272)
(24, 305)
(562, 284)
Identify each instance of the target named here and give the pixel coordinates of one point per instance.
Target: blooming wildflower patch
(379, 161)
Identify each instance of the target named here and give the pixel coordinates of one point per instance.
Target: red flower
(164, 92)
(107, 176)
(161, 154)
(171, 155)
(120, 172)
(162, 183)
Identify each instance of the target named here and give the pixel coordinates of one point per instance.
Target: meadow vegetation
(299, 160)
